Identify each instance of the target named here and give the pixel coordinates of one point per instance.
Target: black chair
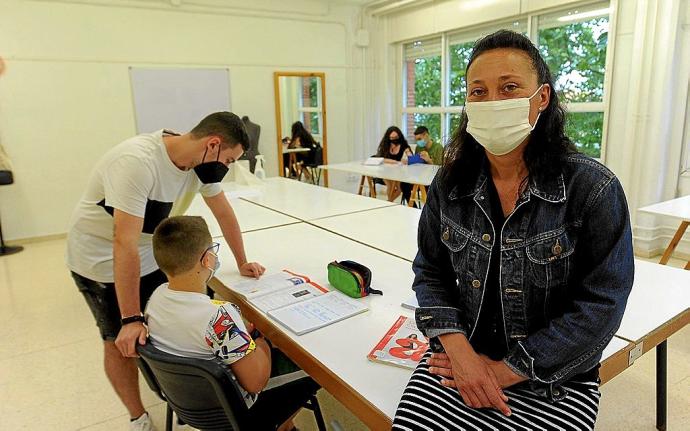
(312, 163)
(203, 393)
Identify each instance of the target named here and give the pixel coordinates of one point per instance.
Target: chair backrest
(203, 393)
(316, 156)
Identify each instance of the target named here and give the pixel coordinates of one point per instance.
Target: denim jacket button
(486, 237)
(476, 283)
(446, 234)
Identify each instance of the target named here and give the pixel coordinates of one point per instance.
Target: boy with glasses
(184, 321)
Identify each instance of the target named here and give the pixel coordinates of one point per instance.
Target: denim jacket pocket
(456, 241)
(549, 259)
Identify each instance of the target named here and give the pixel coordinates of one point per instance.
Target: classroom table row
(300, 227)
(419, 175)
(280, 201)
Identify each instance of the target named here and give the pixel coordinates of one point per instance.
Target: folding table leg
(661, 389)
(674, 243)
(361, 185)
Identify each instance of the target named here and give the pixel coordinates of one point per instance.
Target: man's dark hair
(226, 125)
(420, 130)
(548, 143)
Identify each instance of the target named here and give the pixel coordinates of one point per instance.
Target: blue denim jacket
(566, 269)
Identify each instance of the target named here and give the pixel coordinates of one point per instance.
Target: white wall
(65, 97)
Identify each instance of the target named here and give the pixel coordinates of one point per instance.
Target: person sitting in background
(431, 152)
(184, 321)
(301, 138)
(392, 148)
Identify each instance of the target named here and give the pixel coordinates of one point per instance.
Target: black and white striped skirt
(427, 405)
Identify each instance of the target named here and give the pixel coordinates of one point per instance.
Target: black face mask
(211, 172)
(394, 141)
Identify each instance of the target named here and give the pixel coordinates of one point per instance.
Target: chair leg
(168, 418)
(320, 424)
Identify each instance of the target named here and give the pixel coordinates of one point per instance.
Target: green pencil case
(351, 278)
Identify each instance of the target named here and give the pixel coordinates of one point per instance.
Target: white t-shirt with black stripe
(136, 177)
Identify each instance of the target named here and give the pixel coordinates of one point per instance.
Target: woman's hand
(505, 376)
(462, 368)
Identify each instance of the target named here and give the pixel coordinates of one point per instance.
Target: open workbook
(298, 303)
(402, 346)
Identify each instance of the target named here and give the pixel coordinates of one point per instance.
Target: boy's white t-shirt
(137, 177)
(192, 325)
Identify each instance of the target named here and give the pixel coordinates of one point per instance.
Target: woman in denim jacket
(525, 260)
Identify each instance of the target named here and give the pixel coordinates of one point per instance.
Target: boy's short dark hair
(228, 126)
(420, 130)
(179, 242)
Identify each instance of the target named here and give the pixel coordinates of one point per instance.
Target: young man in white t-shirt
(131, 190)
(182, 320)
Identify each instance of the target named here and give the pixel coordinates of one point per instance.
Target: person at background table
(301, 138)
(525, 259)
(392, 148)
(431, 152)
(109, 252)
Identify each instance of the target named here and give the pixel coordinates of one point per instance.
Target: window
(573, 43)
(310, 106)
(422, 86)
(431, 121)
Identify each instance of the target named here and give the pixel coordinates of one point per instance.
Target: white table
(295, 150)
(679, 209)
(310, 202)
(335, 356)
(419, 175)
(661, 294)
(249, 215)
(658, 307)
(390, 229)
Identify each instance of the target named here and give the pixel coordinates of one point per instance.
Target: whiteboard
(177, 99)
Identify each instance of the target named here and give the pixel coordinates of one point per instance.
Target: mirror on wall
(301, 125)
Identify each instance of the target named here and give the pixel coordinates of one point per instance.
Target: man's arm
(222, 211)
(127, 269)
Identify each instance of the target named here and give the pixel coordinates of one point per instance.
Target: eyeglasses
(213, 248)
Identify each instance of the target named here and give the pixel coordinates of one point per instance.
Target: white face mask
(500, 126)
(214, 269)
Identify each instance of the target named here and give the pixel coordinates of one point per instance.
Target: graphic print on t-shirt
(225, 337)
(155, 213)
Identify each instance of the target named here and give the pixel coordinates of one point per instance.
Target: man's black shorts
(102, 300)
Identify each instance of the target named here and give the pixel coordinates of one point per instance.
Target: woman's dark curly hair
(385, 144)
(306, 140)
(548, 143)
